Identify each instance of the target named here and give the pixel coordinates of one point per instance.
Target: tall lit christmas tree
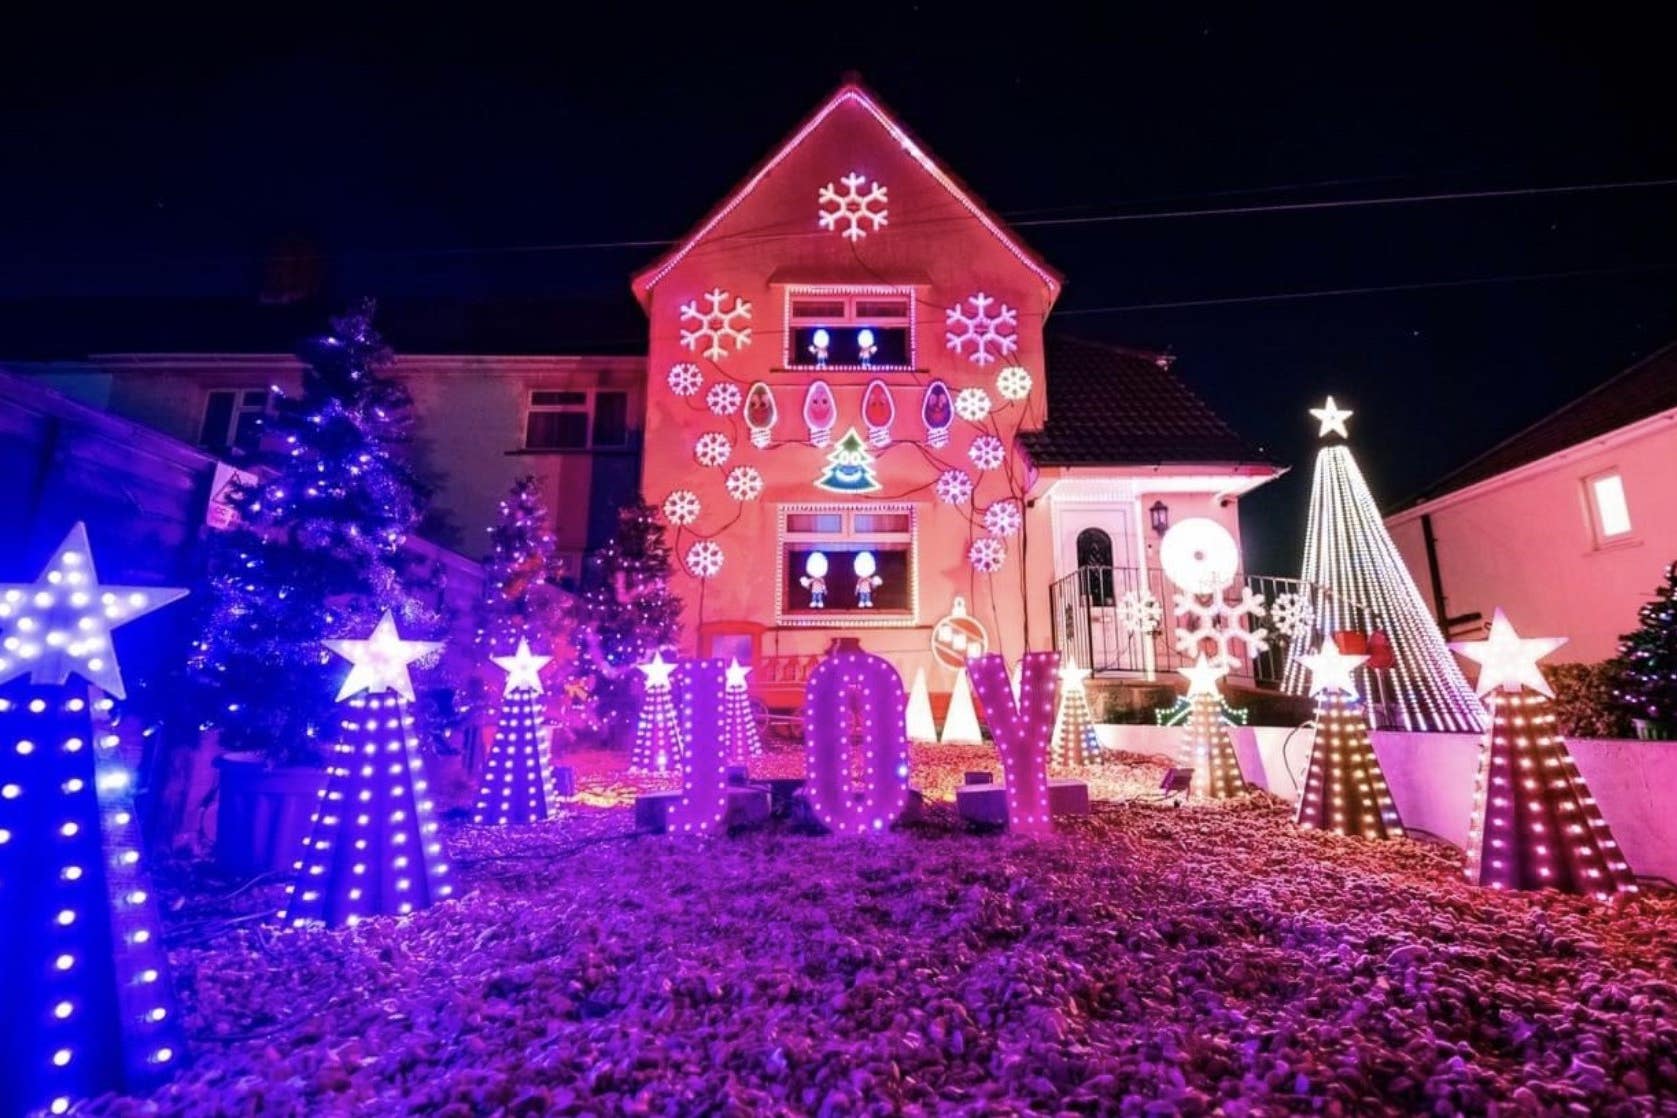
(741, 743)
(1535, 824)
(522, 600)
(317, 551)
(1074, 743)
(1646, 670)
(89, 1006)
(517, 783)
(372, 848)
(1350, 557)
(657, 747)
(1344, 787)
(1207, 747)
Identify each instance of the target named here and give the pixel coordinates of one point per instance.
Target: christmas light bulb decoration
(937, 412)
(1358, 576)
(89, 1005)
(865, 568)
(703, 762)
(1535, 824)
(372, 847)
(820, 413)
(852, 692)
(921, 726)
(741, 743)
(761, 414)
(879, 411)
(658, 745)
(1345, 789)
(1074, 743)
(960, 721)
(517, 783)
(1207, 748)
(1022, 728)
(814, 579)
(850, 468)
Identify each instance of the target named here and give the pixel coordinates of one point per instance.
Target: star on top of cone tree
(1508, 660)
(1202, 676)
(523, 668)
(380, 662)
(1332, 417)
(1330, 668)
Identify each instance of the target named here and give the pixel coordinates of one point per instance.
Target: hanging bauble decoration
(760, 414)
(879, 411)
(958, 637)
(938, 412)
(820, 412)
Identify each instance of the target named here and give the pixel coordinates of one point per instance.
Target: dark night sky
(156, 160)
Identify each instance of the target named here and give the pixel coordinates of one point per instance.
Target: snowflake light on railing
(986, 555)
(717, 326)
(954, 487)
(704, 559)
(681, 507)
(1212, 618)
(1013, 382)
(685, 378)
(744, 483)
(1003, 518)
(987, 452)
(712, 449)
(723, 398)
(1140, 612)
(1292, 615)
(852, 207)
(982, 330)
(972, 404)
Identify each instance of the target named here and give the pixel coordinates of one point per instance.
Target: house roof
(850, 92)
(1113, 406)
(1645, 389)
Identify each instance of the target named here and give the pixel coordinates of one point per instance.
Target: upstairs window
(576, 419)
(233, 419)
(1609, 511)
(850, 329)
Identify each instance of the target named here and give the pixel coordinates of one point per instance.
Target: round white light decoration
(1199, 555)
(1140, 612)
(986, 555)
(685, 378)
(1292, 615)
(714, 329)
(1014, 382)
(847, 210)
(723, 398)
(712, 449)
(987, 452)
(744, 483)
(1003, 518)
(704, 559)
(954, 487)
(972, 404)
(681, 507)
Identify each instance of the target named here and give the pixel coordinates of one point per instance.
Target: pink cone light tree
(742, 744)
(658, 744)
(517, 783)
(1345, 789)
(1207, 748)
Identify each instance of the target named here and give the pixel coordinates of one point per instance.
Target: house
(857, 426)
(1567, 526)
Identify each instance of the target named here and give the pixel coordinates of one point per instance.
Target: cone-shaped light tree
(657, 747)
(372, 847)
(960, 721)
(517, 783)
(741, 744)
(1207, 747)
(921, 726)
(1074, 743)
(1535, 824)
(1344, 788)
(89, 1006)
(1358, 577)
(1646, 669)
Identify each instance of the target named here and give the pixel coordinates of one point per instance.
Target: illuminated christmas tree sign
(850, 468)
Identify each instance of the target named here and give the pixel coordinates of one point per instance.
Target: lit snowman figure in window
(815, 579)
(866, 346)
(867, 578)
(819, 346)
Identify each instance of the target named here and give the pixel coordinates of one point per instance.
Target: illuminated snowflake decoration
(954, 487)
(987, 452)
(1003, 518)
(717, 326)
(1292, 615)
(744, 483)
(1013, 382)
(681, 507)
(685, 378)
(852, 207)
(1140, 612)
(1234, 629)
(972, 404)
(982, 330)
(723, 398)
(712, 449)
(704, 559)
(986, 555)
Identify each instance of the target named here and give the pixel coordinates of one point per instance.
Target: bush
(1585, 706)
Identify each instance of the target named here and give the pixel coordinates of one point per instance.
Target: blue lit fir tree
(522, 599)
(1646, 670)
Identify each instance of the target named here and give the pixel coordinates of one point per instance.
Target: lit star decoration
(61, 623)
(1332, 418)
(523, 668)
(737, 673)
(1202, 677)
(1507, 660)
(381, 660)
(1330, 669)
(657, 670)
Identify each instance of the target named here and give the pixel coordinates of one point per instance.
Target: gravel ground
(1146, 961)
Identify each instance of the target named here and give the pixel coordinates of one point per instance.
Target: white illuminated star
(736, 675)
(1333, 418)
(523, 668)
(381, 661)
(658, 671)
(1071, 675)
(1331, 669)
(1203, 677)
(1506, 659)
(61, 623)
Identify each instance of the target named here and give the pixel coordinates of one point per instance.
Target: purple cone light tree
(517, 783)
(1345, 789)
(658, 746)
(741, 743)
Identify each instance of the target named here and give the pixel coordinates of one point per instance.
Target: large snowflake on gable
(982, 330)
(987, 452)
(717, 326)
(1003, 518)
(681, 507)
(1292, 615)
(712, 449)
(1233, 629)
(1014, 382)
(744, 483)
(704, 559)
(972, 404)
(986, 555)
(1140, 612)
(954, 487)
(723, 398)
(685, 378)
(852, 207)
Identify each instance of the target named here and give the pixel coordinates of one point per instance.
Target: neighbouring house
(1568, 526)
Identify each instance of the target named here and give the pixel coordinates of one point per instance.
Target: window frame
(851, 294)
(1592, 500)
(848, 618)
(229, 441)
(588, 408)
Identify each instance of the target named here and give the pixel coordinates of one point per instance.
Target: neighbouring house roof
(1112, 406)
(1645, 389)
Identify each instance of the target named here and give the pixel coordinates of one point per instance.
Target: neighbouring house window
(233, 419)
(850, 329)
(576, 419)
(1608, 508)
(839, 535)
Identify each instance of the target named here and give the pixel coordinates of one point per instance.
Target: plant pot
(1649, 730)
(262, 813)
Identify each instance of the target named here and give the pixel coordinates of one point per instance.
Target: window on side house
(850, 330)
(576, 419)
(839, 535)
(1609, 511)
(233, 419)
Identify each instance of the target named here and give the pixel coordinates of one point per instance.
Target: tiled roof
(1111, 406)
(1646, 388)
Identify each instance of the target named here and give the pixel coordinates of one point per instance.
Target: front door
(1097, 542)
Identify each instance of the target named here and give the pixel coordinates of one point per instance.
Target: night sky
(435, 158)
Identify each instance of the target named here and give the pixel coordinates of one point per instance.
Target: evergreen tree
(317, 552)
(521, 595)
(1647, 663)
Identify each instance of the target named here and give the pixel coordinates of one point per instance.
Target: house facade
(856, 425)
(1568, 526)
